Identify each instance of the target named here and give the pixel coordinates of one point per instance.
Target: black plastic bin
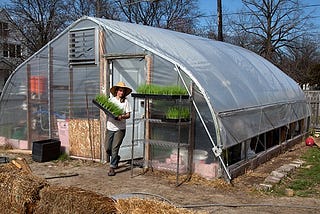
(4, 159)
(45, 150)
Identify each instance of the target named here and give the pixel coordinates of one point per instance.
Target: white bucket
(199, 156)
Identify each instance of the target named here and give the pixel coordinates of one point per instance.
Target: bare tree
(37, 21)
(210, 28)
(143, 12)
(79, 8)
(300, 60)
(314, 77)
(108, 9)
(98, 8)
(179, 15)
(272, 25)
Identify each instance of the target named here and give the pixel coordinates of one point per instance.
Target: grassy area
(305, 181)
(64, 157)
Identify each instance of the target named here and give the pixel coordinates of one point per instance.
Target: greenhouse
(243, 109)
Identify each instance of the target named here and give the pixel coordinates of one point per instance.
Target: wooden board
(84, 138)
(317, 142)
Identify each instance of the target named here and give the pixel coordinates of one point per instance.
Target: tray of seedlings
(111, 109)
(177, 114)
(160, 92)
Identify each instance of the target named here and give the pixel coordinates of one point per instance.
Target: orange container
(37, 84)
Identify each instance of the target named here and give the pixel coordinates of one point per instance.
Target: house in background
(10, 48)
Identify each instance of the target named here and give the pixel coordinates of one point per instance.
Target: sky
(209, 7)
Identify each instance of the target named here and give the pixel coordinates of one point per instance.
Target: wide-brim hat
(114, 88)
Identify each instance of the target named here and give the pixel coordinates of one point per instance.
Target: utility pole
(98, 8)
(219, 12)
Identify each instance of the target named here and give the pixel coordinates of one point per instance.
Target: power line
(240, 13)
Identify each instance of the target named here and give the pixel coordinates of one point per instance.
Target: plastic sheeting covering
(71, 90)
(231, 77)
(234, 81)
(241, 93)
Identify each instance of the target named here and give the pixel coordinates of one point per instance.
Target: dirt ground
(218, 196)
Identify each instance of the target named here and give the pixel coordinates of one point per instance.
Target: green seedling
(104, 101)
(178, 112)
(163, 90)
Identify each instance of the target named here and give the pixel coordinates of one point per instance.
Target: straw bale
(19, 190)
(216, 183)
(139, 205)
(8, 167)
(84, 138)
(58, 199)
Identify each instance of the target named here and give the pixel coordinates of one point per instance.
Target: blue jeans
(115, 139)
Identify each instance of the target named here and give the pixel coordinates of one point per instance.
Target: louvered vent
(82, 47)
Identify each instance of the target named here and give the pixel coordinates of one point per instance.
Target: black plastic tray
(159, 96)
(168, 120)
(104, 109)
(4, 160)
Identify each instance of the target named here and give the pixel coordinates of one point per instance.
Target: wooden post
(147, 108)
(50, 95)
(70, 91)
(29, 113)
(191, 132)
(104, 86)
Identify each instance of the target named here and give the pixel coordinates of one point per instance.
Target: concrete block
(208, 171)
(277, 174)
(14, 143)
(3, 141)
(272, 179)
(265, 187)
(23, 144)
(169, 167)
(295, 165)
(298, 161)
(174, 159)
(286, 168)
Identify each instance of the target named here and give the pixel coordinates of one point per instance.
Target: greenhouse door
(130, 71)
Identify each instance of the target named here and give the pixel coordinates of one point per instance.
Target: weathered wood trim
(123, 56)
(242, 167)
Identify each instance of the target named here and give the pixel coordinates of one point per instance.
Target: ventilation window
(82, 48)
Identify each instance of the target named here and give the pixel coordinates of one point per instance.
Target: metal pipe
(217, 151)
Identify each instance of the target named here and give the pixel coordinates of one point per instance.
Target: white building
(10, 48)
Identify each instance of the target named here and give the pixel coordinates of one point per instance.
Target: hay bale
(139, 205)
(19, 190)
(8, 167)
(57, 199)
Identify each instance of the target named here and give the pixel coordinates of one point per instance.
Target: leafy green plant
(104, 101)
(164, 90)
(178, 112)
(64, 157)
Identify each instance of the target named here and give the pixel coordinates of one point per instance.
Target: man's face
(120, 92)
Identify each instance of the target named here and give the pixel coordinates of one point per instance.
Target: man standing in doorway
(116, 128)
